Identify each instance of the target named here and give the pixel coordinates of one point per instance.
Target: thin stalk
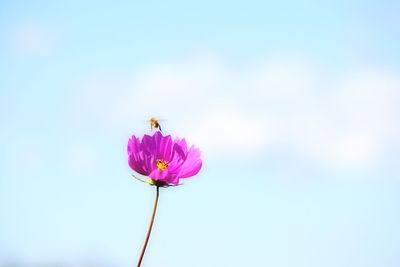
(150, 227)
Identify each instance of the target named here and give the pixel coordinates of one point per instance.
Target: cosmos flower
(163, 160)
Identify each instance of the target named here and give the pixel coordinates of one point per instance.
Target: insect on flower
(155, 124)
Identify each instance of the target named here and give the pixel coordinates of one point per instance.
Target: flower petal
(135, 156)
(164, 176)
(143, 154)
(192, 164)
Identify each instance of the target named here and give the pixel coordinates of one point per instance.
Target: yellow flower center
(161, 164)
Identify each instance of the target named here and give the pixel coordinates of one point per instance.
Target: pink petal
(142, 156)
(135, 157)
(192, 164)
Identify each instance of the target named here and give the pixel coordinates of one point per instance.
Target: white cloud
(173, 87)
(338, 121)
(225, 128)
(278, 80)
(352, 150)
(365, 97)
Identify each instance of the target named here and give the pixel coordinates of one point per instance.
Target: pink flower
(162, 159)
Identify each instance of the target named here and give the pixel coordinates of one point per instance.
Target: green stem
(150, 227)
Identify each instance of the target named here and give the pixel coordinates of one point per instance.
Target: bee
(155, 124)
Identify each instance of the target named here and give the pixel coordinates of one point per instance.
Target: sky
(294, 105)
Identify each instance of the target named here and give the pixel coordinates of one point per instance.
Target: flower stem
(150, 227)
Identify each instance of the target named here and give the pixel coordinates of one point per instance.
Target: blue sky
(294, 104)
